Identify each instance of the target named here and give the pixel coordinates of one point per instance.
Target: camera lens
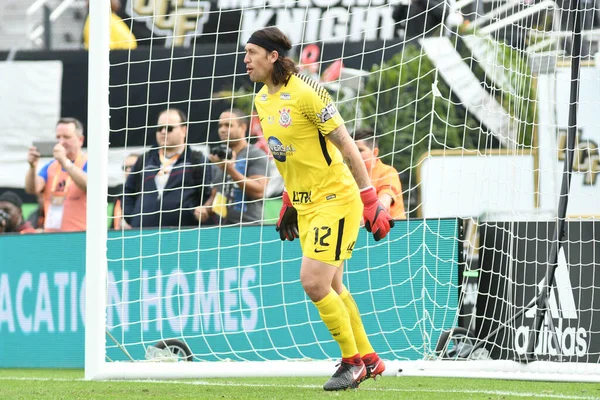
(222, 151)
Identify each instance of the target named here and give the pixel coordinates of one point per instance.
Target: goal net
(473, 104)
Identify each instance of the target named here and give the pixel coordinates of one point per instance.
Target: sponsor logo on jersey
(263, 97)
(279, 150)
(285, 96)
(572, 340)
(285, 119)
(271, 119)
(327, 113)
(302, 197)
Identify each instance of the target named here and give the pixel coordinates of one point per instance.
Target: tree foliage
(413, 111)
(400, 103)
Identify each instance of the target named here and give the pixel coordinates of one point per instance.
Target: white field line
(373, 389)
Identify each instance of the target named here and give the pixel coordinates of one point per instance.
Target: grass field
(69, 384)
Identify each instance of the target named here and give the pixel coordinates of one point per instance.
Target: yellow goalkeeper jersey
(295, 121)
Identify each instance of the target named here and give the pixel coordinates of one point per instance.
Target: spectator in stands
(11, 215)
(168, 182)
(121, 37)
(117, 193)
(384, 178)
(62, 181)
(239, 174)
(420, 18)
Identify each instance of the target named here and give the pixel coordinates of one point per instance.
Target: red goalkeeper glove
(377, 220)
(287, 225)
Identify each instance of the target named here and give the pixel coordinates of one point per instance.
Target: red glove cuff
(368, 195)
(286, 199)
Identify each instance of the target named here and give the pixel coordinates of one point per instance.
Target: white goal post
(476, 128)
(96, 236)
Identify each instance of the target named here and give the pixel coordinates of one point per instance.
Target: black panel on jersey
(324, 148)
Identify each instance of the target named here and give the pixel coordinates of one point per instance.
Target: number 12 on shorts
(321, 234)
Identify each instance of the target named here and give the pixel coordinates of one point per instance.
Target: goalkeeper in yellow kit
(328, 191)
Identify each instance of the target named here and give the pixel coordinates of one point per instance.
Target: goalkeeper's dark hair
(366, 135)
(284, 67)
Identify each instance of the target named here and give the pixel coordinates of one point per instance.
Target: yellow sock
(335, 316)
(358, 329)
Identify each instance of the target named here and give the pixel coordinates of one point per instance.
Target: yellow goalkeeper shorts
(329, 233)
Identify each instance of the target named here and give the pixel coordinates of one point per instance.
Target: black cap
(11, 197)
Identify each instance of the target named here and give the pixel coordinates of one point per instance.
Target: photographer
(11, 215)
(239, 175)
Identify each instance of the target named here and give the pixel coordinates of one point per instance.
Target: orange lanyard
(68, 181)
(166, 163)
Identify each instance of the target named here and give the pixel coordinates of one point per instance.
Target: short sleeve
(258, 162)
(318, 107)
(388, 182)
(44, 171)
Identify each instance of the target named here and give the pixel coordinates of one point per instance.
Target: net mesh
(469, 103)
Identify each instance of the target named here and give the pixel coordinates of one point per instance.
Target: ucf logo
(178, 20)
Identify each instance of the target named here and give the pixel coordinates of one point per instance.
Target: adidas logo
(561, 303)
(567, 309)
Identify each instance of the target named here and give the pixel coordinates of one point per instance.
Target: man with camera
(11, 215)
(62, 181)
(168, 182)
(239, 175)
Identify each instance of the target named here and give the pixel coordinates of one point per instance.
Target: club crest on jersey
(285, 119)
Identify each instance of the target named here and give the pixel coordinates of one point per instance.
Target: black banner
(513, 260)
(185, 23)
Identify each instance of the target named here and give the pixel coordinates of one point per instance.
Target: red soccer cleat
(375, 365)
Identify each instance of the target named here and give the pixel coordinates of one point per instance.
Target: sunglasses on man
(168, 128)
